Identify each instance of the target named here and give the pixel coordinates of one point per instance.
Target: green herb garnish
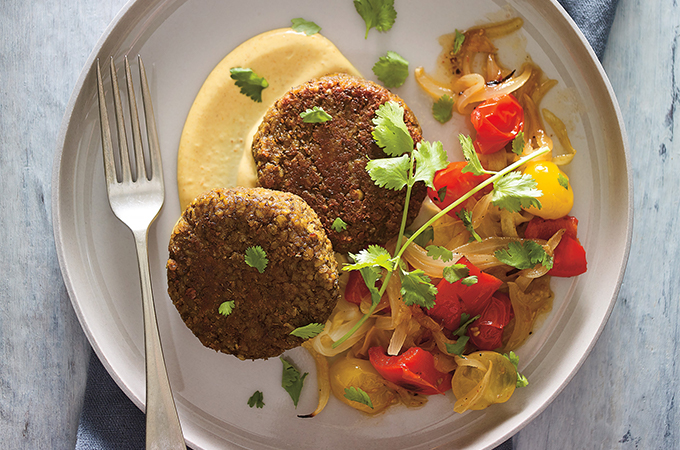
(514, 359)
(391, 69)
(226, 308)
(250, 84)
(308, 331)
(466, 217)
(524, 255)
(458, 41)
(518, 144)
(442, 109)
(378, 14)
(303, 26)
(358, 395)
(291, 380)
(315, 115)
(459, 347)
(563, 181)
(256, 257)
(256, 400)
(339, 225)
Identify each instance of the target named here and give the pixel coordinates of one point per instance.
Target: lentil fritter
(207, 267)
(325, 163)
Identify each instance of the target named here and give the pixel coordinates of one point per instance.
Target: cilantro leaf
(257, 258)
(515, 191)
(456, 272)
(458, 41)
(459, 347)
(390, 173)
(466, 217)
(390, 132)
(469, 281)
(441, 194)
(291, 380)
(518, 143)
(371, 275)
(442, 109)
(339, 225)
(563, 181)
(315, 115)
(378, 14)
(514, 359)
(226, 307)
(473, 166)
(303, 26)
(256, 400)
(250, 84)
(524, 255)
(416, 289)
(391, 69)
(430, 157)
(465, 322)
(438, 252)
(308, 331)
(358, 395)
(374, 255)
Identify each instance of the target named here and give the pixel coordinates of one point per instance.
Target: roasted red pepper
(455, 298)
(413, 370)
(452, 183)
(486, 333)
(497, 122)
(539, 228)
(570, 256)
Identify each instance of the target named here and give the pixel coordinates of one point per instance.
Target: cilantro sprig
(356, 394)
(308, 331)
(406, 167)
(250, 83)
(391, 69)
(378, 14)
(256, 257)
(304, 26)
(292, 381)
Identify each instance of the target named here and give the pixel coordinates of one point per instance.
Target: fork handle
(163, 430)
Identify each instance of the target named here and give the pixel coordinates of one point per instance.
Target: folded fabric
(594, 18)
(110, 421)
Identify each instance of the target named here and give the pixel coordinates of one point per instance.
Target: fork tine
(107, 146)
(134, 120)
(152, 133)
(120, 124)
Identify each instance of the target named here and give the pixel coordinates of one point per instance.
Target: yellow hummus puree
(214, 150)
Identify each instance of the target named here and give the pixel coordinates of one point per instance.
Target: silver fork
(136, 200)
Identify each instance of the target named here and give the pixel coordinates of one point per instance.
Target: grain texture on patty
(207, 267)
(325, 163)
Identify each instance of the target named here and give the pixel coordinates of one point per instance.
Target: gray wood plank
(43, 46)
(625, 395)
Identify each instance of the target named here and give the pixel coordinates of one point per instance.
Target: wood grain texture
(626, 394)
(43, 352)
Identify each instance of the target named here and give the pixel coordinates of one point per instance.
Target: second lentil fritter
(325, 163)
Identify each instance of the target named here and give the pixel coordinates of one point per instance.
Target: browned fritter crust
(207, 267)
(325, 163)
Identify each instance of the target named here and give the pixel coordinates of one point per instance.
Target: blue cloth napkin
(110, 421)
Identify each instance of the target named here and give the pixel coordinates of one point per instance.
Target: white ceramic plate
(181, 41)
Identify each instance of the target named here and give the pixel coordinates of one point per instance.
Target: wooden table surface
(624, 396)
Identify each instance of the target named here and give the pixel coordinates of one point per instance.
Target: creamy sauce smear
(214, 150)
